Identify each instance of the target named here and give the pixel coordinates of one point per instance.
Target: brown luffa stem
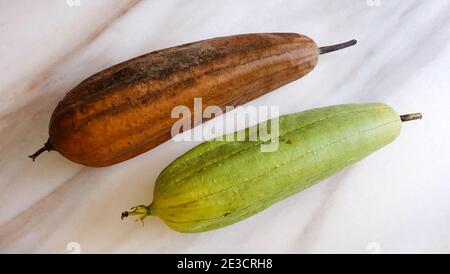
(328, 49)
(47, 147)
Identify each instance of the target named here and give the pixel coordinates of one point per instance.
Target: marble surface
(396, 200)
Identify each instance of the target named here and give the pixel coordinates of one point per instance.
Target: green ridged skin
(219, 183)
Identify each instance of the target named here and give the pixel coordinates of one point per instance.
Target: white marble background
(397, 200)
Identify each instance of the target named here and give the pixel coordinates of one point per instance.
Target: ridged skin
(125, 110)
(220, 182)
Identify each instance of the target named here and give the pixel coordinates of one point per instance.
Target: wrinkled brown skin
(125, 110)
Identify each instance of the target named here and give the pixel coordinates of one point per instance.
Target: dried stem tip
(47, 147)
(328, 49)
(411, 117)
(141, 211)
